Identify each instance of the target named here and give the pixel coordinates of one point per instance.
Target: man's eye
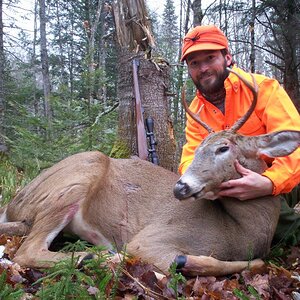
(193, 63)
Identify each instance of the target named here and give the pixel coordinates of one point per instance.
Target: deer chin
(203, 194)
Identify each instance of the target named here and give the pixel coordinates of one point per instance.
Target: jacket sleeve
(279, 113)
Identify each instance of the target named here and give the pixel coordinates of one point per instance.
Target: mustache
(205, 74)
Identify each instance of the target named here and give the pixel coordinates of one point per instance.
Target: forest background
(61, 78)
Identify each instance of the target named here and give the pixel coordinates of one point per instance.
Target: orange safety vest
(274, 112)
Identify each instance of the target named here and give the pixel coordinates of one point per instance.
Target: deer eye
(223, 149)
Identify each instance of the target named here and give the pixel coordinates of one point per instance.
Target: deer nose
(181, 190)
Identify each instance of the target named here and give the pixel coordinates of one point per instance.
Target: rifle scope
(152, 151)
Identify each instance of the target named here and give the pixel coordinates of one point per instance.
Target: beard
(214, 87)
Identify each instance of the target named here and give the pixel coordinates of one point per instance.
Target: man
(225, 99)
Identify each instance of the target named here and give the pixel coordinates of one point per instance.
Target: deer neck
(253, 164)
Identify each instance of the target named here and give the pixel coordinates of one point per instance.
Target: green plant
(276, 254)
(175, 280)
(253, 292)
(240, 294)
(97, 269)
(66, 280)
(7, 292)
(10, 180)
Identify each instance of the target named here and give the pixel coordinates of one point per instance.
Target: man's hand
(250, 186)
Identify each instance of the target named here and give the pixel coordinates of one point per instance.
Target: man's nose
(203, 67)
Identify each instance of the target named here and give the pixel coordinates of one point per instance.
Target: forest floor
(279, 279)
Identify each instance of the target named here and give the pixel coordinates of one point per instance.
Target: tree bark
(90, 29)
(34, 60)
(284, 24)
(2, 66)
(198, 13)
(136, 41)
(252, 35)
(45, 65)
(291, 47)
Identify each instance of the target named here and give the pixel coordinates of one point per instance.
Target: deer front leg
(208, 266)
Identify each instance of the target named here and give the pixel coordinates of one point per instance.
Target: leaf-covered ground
(135, 280)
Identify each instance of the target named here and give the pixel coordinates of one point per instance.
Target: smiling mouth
(206, 76)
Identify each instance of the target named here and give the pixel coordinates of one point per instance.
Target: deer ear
(279, 143)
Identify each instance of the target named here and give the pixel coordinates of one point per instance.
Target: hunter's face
(207, 69)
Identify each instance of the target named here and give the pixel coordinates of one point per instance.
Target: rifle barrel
(140, 126)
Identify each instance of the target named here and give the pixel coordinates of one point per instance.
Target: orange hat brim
(200, 47)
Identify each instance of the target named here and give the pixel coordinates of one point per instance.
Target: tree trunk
(45, 66)
(135, 41)
(284, 21)
(252, 41)
(90, 29)
(62, 63)
(2, 145)
(105, 9)
(291, 47)
(34, 59)
(198, 13)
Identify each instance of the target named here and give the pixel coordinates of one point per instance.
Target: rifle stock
(140, 126)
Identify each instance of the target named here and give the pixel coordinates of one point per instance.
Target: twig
(147, 291)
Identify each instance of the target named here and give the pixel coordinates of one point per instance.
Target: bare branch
(275, 65)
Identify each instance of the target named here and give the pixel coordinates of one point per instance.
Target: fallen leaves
(11, 244)
(137, 280)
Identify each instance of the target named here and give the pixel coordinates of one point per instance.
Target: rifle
(140, 126)
(152, 151)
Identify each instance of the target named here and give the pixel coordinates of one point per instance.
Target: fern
(66, 280)
(6, 290)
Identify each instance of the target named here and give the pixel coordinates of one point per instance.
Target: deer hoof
(87, 257)
(180, 261)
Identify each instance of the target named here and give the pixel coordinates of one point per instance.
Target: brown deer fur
(117, 202)
(130, 201)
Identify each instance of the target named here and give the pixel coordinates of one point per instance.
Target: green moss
(120, 150)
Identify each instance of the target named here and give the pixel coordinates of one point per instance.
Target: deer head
(214, 158)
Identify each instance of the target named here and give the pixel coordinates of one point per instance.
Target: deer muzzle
(181, 190)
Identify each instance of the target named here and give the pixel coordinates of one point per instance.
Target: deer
(155, 214)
